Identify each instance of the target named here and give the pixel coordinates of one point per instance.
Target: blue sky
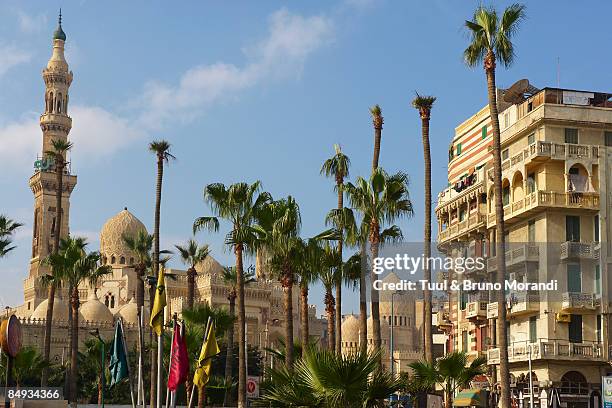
(256, 91)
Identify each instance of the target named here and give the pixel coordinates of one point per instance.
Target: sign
(10, 336)
(252, 387)
(606, 386)
(44, 164)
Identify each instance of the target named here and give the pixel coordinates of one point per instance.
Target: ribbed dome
(60, 310)
(350, 329)
(112, 247)
(95, 311)
(129, 313)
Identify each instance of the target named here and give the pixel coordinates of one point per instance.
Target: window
(484, 132)
(506, 195)
(574, 280)
(596, 234)
(506, 120)
(598, 332)
(571, 135)
(462, 213)
(451, 154)
(505, 154)
(531, 138)
(531, 183)
(122, 260)
(529, 106)
(531, 231)
(575, 329)
(533, 329)
(458, 149)
(597, 282)
(463, 296)
(572, 228)
(608, 137)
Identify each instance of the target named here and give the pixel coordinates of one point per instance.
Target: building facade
(557, 178)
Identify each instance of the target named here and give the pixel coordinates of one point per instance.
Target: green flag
(118, 362)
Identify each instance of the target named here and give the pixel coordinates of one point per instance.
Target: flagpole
(140, 397)
(193, 387)
(159, 359)
(127, 358)
(174, 318)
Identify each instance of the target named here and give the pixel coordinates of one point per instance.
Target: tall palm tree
(382, 200)
(491, 42)
(329, 277)
(28, 366)
(7, 229)
(337, 167)
(309, 270)
(377, 121)
(191, 255)
(452, 372)
(240, 204)
(60, 148)
(230, 278)
(424, 104)
(85, 268)
(141, 245)
(161, 150)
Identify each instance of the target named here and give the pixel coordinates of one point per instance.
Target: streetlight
(391, 360)
(530, 377)
(96, 333)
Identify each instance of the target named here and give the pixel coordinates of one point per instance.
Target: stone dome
(60, 310)
(95, 311)
(350, 329)
(129, 313)
(112, 247)
(384, 330)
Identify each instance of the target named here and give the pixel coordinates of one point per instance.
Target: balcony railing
(576, 301)
(473, 221)
(523, 303)
(518, 255)
(550, 350)
(579, 250)
(492, 311)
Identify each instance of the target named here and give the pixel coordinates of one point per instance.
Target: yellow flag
(157, 314)
(210, 348)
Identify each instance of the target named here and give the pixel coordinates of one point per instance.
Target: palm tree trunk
(377, 137)
(288, 303)
(304, 329)
(59, 181)
(201, 396)
(152, 353)
(500, 254)
(427, 238)
(363, 302)
(329, 309)
(229, 356)
(340, 277)
(158, 195)
(74, 340)
(242, 356)
(190, 288)
(376, 336)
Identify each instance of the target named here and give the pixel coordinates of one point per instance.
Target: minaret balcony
(55, 120)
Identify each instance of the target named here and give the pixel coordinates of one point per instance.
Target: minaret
(55, 124)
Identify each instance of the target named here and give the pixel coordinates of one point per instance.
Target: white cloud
(10, 56)
(31, 23)
(291, 39)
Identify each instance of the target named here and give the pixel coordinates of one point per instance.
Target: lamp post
(96, 333)
(529, 365)
(391, 345)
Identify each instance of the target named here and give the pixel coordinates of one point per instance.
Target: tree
(141, 245)
(229, 276)
(381, 200)
(338, 167)
(330, 262)
(309, 271)
(239, 204)
(326, 379)
(423, 104)
(377, 121)
(161, 150)
(28, 366)
(452, 372)
(7, 229)
(191, 255)
(491, 42)
(60, 148)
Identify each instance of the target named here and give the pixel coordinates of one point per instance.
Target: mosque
(114, 295)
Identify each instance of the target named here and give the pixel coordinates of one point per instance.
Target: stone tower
(55, 124)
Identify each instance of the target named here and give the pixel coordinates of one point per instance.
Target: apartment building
(557, 187)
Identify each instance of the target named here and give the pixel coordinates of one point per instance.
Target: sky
(250, 91)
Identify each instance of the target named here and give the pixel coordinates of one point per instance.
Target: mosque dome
(129, 312)
(112, 247)
(59, 34)
(60, 310)
(384, 330)
(95, 311)
(350, 329)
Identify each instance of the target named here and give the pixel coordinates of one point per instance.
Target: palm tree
(423, 104)
(7, 229)
(377, 121)
(330, 259)
(327, 379)
(28, 366)
(309, 270)
(85, 268)
(191, 255)
(161, 150)
(60, 148)
(452, 372)
(381, 200)
(491, 42)
(337, 167)
(239, 204)
(230, 278)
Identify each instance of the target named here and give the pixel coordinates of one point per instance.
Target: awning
(469, 398)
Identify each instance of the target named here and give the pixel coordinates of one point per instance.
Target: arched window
(131, 260)
(113, 259)
(112, 302)
(573, 382)
(59, 103)
(122, 260)
(106, 300)
(50, 103)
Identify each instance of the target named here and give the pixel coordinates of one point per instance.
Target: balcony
(579, 302)
(522, 208)
(549, 350)
(492, 311)
(579, 251)
(476, 310)
(517, 256)
(473, 221)
(449, 194)
(523, 303)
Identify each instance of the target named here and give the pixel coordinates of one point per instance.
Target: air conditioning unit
(563, 317)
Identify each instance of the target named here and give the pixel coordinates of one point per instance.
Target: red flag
(179, 360)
